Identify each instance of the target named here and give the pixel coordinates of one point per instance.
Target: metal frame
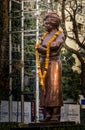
(21, 2)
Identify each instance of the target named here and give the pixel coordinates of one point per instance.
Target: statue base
(50, 124)
(68, 125)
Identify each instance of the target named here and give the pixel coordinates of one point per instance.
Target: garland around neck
(40, 73)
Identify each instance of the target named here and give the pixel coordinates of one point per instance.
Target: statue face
(51, 21)
(49, 25)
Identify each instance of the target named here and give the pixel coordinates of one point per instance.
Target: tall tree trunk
(4, 42)
(63, 17)
(4, 47)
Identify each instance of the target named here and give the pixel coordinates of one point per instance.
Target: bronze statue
(50, 67)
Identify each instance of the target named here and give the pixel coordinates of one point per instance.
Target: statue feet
(55, 118)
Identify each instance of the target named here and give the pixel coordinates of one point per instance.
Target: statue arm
(58, 42)
(41, 49)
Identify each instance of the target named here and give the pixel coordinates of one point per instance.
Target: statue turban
(54, 18)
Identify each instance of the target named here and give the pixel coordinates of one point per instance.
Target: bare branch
(74, 51)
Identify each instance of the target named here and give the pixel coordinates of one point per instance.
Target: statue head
(53, 19)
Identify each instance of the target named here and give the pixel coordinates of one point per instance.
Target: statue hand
(41, 49)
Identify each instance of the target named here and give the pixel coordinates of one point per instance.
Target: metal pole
(22, 61)
(37, 77)
(49, 8)
(10, 65)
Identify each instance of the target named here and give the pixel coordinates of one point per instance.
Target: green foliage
(71, 79)
(16, 17)
(30, 22)
(29, 48)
